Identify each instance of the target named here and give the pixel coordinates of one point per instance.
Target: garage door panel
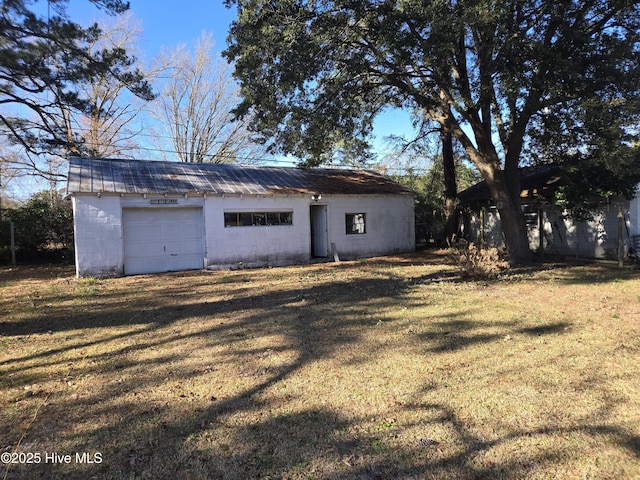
(163, 239)
(174, 264)
(183, 215)
(148, 232)
(149, 249)
(136, 215)
(188, 247)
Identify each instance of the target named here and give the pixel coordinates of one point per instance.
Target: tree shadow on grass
(110, 310)
(314, 311)
(456, 334)
(547, 329)
(320, 443)
(302, 308)
(248, 434)
(588, 272)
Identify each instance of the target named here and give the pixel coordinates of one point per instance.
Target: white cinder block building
(550, 229)
(134, 216)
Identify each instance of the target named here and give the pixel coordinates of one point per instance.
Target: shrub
(42, 222)
(480, 262)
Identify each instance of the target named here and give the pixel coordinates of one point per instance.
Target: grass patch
(386, 368)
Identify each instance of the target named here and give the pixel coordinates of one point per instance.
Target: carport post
(620, 237)
(482, 215)
(12, 230)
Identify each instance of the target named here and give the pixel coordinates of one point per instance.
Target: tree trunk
(512, 220)
(515, 234)
(450, 186)
(504, 185)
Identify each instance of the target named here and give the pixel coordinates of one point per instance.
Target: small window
(356, 223)
(231, 220)
(249, 219)
(273, 218)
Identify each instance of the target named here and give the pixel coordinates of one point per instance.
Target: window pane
(286, 218)
(246, 219)
(259, 218)
(273, 218)
(355, 223)
(230, 219)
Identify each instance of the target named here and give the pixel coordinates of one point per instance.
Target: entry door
(162, 239)
(319, 233)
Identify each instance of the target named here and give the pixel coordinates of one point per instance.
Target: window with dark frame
(256, 219)
(356, 223)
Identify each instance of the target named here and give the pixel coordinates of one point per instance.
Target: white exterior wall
(97, 225)
(486, 230)
(633, 220)
(389, 229)
(256, 246)
(390, 225)
(597, 238)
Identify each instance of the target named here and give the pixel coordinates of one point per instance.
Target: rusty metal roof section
(541, 181)
(106, 175)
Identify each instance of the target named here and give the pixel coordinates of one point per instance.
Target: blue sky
(165, 24)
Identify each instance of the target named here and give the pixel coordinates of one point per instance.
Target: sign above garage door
(162, 239)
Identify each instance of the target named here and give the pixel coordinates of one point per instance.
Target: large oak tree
(314, 72)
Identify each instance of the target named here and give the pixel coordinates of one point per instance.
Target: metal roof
(542, 180)
(105, 175)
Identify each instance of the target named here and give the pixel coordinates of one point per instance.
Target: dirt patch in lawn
(384, 368)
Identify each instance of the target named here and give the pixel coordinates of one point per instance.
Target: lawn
(384, 368)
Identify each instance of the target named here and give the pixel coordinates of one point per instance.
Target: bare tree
(109, 129)
(14, 171)
(196, 106)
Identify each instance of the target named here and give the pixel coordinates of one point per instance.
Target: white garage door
(162, 239)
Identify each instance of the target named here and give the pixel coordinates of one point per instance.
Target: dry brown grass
(385, 368)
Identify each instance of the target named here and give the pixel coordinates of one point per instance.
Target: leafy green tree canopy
(41, 62)
(315, 71)
(595, 142)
